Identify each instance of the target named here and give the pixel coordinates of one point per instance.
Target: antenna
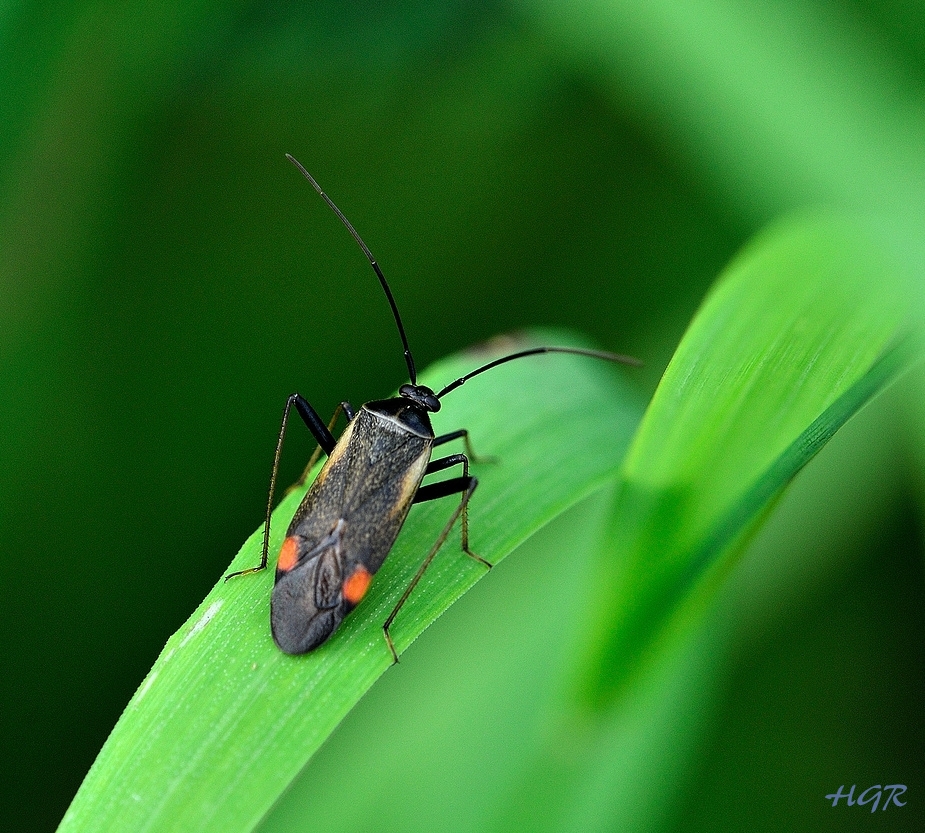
(372, 261)
(534, 351)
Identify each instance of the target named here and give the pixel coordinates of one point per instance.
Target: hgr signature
(871, 794)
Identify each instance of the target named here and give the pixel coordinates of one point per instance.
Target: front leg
(326, 442)
(463, 434)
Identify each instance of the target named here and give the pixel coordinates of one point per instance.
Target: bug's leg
(464, 485)
(344, 408)
(464, 434)
(453, 486)
(326, 442)
(440, 464)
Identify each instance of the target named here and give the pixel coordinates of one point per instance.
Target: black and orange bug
(351, 515)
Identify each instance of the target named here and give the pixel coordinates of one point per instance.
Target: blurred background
(167, 280)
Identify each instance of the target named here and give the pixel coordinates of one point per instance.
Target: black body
(350, 518)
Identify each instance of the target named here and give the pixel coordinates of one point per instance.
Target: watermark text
(871, 795)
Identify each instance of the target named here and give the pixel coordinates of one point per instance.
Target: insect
(352, 513)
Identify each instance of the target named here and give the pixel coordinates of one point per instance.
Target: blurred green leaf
(224, 721)
(780, 104)
(808, 323)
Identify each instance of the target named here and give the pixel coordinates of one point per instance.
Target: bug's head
(421, 395)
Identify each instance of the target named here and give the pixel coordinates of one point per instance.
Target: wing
(344, 529)
(307, 603)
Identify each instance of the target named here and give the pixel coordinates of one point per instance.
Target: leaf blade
(803, 328)
(224, 721)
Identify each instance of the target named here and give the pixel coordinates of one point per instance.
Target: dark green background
(168, 279)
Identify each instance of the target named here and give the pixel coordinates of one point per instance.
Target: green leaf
(807, 324)
(783, 104)
(224, 721)
(802, 329)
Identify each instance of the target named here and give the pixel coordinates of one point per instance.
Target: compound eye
(422, 395)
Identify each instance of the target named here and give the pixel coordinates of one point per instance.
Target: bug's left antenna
(412, 373)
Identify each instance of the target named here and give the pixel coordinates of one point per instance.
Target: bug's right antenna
(369, 256)
(535, 351)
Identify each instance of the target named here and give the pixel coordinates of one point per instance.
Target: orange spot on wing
(356, 584)
(288, 555)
